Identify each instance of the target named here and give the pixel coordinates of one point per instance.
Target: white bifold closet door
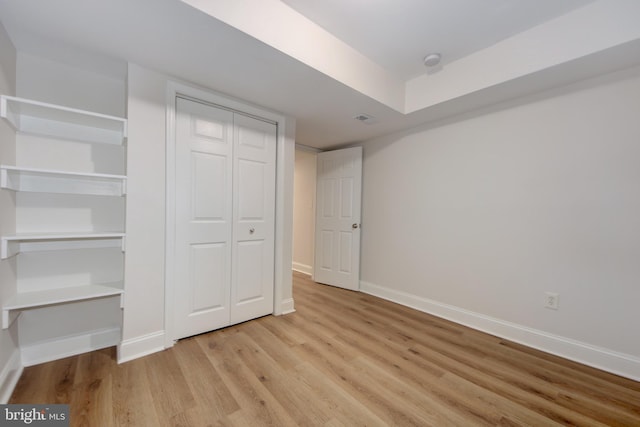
(225, 218)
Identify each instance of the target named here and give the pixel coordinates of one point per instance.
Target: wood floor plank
(508, 412)
(626, 385)
(171, 393)
(300, 400)
(59, 376)
(415, 400)
(342, 359)
(133, 399)
(287, 330)
(519, 392)
(282, 355)
(564, 373)
(91, 403)
(213, 344)
(95, 365)
(345, 408)
(206, 385)
(259, 406)
(361, 385)
(426, 380)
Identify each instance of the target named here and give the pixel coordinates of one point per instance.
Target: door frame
(285, 160)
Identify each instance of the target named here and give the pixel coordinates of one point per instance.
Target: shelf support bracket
(8, 317)
(8, 248)
(4, 178)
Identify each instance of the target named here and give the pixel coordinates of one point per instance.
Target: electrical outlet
(551, 300)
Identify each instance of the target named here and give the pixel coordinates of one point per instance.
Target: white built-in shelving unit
(58, 123)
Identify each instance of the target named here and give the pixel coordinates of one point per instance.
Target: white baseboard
(9, 376)
(602, 358)
(287, 307)
(69, 346)
(302, 268)
(140, 346)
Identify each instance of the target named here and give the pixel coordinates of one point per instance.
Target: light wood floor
(343, 359)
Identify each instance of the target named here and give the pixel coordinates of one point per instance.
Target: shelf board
(11, 245)
(35, 299)
(41, 118)
(55, 181)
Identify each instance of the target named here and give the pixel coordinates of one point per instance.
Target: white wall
(143, 324)
(10, 366)
(304, 210)
(58, 83)
(477, 218)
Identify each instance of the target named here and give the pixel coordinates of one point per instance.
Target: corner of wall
(9, 375)
(302, 268)
(287, 307)
(284, 218)
(10, 357)
(141, 346)
(304, 209)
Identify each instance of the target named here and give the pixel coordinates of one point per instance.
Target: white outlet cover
(551, 300)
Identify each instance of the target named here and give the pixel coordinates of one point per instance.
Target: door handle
(354, 226)
(252, 230)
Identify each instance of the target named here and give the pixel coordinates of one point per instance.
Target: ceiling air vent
(365, 118)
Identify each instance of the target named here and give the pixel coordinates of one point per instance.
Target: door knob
(354, 226)
(252, 230)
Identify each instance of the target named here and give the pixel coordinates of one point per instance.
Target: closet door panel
(208, 278)
(204, 220)
(208, 186)
(254, 218)
(250, 253)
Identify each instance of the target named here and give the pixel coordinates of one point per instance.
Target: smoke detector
(432, 59)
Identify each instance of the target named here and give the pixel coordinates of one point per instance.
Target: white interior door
(254, 180)
(338, 204)
(225, 209)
